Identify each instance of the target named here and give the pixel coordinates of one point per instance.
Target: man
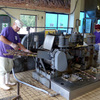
(97, 34)
(97, 41)
(97, 38)
(9, 40)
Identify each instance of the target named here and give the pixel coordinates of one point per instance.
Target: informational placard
(4, 25)
(5, 21)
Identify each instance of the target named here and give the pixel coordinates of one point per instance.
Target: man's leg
(3, 65)
(7, 79)
(7, 75)
(98, 60)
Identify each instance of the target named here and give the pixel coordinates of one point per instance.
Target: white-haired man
(9, 40)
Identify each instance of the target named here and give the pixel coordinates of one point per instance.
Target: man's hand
(23, 48)
(27, 51)
(14, 46)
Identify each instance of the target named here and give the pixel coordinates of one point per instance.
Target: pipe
(52, 95)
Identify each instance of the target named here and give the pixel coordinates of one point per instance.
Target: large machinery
(67, 65)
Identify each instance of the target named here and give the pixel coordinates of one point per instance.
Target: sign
(4, 25)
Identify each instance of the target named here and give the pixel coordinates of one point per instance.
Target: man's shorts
(6, 65)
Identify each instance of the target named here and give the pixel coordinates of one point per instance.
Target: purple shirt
(97, 38)
(10, 35)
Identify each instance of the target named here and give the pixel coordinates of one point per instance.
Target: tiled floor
(28, 93)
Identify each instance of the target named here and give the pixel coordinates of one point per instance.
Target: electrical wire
(12, 16)
(74, 8)
(8, 14)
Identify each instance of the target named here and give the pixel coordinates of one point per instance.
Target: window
(81, 24)
(62, 21)
(85, 23)
(98, 22)
(56, 21)
(28, 21)
(51, 21)
(88, 25)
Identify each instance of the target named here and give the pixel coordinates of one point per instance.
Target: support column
(73, 17)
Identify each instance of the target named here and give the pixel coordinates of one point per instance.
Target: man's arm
(23, 48)
(4, 40)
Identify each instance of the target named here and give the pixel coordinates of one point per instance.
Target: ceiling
(46, 5)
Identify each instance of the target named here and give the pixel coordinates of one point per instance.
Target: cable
(52, 95)
(24, 9)
(11, 16)
(8, 14)
(74, 8)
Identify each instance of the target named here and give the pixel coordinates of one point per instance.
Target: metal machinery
(67, 65)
